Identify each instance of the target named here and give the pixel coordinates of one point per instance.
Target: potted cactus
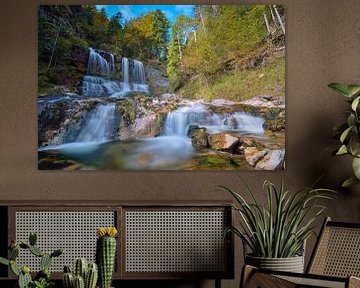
(42, 278)
(85, 275)
(106, 254)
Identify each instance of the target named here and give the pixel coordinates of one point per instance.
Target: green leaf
(356, 167)
(340, 88)
(349, 182)
(4, 261)
(354, 145)
(345, 134)
(353, 89)
(351, 120)
(342, 150)
(355, 103)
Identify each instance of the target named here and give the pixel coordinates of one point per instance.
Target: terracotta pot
(291, 264)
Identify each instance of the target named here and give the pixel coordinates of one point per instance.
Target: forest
(215, 77)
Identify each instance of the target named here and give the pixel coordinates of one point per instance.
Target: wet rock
(265, 101)
(253, 155)
(223, 141)
(274, 160)
(199, 136)
(156, 77)
(251, 142)
(59, 122)
(274, 125)
(149, 125)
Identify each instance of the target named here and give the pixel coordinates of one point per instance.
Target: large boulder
(223, 141)
(274, 160)
(149, 125)
(199, 136)
(254, 154)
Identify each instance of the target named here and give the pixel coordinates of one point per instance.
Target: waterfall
(99, 125)
(96, 82)
(125, 70)
(98, 65)
(138, 72)
(177, 122)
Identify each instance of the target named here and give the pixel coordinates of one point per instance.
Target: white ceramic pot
(291, 264)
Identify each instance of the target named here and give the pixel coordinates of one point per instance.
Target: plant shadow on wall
(276, 232)
(203, 90)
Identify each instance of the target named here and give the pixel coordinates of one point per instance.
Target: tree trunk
(267, 24)
(202, 18)
(273, 18)
(279, 18)
(53, 50)
(179, 46)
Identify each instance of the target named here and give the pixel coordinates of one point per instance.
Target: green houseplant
(349, 131)
(42, 278)
(275, 233)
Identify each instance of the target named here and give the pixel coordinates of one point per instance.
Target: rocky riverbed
(219, 135)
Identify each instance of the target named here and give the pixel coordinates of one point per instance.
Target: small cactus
(13, 253)
(79, 282)
(91, 276)
(32, 239)
(24, 280)
(106, 254)
(80, 268)
(89, 272)
(68, 280)
(36, 251)
(23, 273)
(45, 261)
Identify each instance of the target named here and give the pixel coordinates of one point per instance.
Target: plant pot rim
(260, 257)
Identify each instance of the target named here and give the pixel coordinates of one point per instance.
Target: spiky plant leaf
(349, 182)
(280, 228)
(341, 89)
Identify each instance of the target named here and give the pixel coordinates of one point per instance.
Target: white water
(97, 82)
(98, 65)
(138, 72)
(100, 124)
(177, 122)
(125, 70)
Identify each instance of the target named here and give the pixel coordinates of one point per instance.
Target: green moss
(128, 110)
(240, 85)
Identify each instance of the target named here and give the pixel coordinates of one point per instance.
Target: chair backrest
(337, 251)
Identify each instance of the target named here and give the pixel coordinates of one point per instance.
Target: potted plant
(42, 278)
(349, 131)
(276, 233)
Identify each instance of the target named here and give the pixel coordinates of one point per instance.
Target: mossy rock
(274, 124)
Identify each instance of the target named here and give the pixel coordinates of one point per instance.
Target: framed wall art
(161, 87)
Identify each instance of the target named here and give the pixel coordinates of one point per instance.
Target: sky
(132, 11)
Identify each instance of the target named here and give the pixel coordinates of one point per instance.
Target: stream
(94, 141)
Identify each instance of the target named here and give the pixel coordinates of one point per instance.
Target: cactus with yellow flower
(106, 254)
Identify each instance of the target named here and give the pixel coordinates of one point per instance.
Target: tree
(147, 35)
(179, 38)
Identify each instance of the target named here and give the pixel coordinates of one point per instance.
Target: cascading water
(138, 72)
(98, 65)
(177, 122)
(125, 70)
(100, 73)
(100, 124)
